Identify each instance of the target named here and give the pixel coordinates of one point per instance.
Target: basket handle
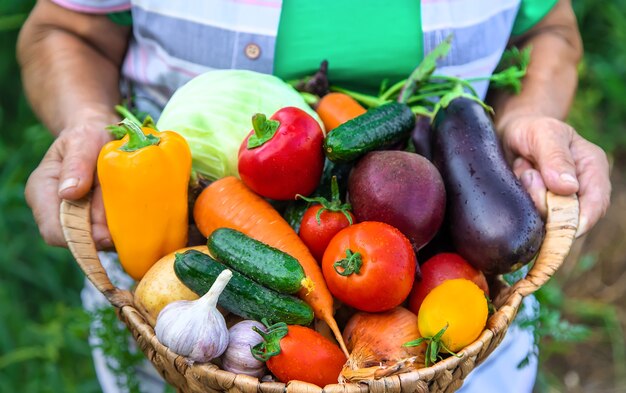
(561, 226)
(76, 224)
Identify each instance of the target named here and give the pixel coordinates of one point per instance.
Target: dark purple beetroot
(401, 189)
(493, 221)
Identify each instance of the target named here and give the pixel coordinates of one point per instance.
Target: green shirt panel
(364, 42)
(122, 18)
(530, 13)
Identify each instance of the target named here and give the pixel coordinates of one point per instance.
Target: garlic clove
(238, 357)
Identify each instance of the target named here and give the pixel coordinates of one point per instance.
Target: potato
(160, 286)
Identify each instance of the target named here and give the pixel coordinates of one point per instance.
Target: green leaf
(425, 69)
(415, 343)
(114, 338)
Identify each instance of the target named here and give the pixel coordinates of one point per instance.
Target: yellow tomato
(458, 304)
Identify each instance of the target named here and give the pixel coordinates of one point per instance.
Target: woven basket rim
(561, 225)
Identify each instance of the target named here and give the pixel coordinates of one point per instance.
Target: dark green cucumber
(376, 129)
(242, 296)
(266, 265)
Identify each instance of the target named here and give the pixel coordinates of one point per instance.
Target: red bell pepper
(282, 156)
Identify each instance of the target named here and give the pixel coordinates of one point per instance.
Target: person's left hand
(549, 154)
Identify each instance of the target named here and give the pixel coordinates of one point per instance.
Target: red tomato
(370, 266)
(442, 267)
(289, 162)
(305, 355)
(316, 235)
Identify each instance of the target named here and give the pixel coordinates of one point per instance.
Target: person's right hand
(67, 171)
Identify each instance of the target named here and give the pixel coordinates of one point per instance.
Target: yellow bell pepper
(144, 179)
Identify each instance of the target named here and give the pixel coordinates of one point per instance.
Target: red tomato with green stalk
(282, 156)
(298, 353)
(321, 222)
(370, 266)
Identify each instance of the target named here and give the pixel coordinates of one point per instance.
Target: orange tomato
(458, 304)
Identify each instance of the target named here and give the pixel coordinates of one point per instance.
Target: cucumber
(376, 129)
(242, 296)
(266, 265)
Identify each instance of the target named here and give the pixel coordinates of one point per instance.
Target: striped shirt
(173, 41)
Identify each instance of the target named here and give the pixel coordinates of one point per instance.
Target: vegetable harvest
(229, 203)
(357, 258)
(144, 178)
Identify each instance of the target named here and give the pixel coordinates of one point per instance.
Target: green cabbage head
(214, 110)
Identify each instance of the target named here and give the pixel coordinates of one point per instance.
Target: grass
(43, 334)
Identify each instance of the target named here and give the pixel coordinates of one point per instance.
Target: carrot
(229, 203)
(337, 108)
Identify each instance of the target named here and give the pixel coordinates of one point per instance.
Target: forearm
(550, 84)
(67, 78)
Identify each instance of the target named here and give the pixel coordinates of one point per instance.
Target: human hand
(550, 155)
(67, 172)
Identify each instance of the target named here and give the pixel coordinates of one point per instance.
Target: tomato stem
(270, 346)
(350, 264)
(334, 205)
(434, 346)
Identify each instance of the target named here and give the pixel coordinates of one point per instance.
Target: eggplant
(420, 136)
(493, 221)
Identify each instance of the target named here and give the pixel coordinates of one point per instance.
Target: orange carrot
(229, 203)
(337, 108)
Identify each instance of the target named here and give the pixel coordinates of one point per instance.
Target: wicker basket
(444, 376)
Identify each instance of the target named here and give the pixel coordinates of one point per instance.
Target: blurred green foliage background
(43, 329)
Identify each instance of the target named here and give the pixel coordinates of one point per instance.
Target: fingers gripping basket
(444, 376)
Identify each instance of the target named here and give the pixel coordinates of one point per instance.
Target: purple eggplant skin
(421, 136)
(493, 221)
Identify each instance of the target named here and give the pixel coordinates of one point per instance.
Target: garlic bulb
(195, 329)
(238, 358)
